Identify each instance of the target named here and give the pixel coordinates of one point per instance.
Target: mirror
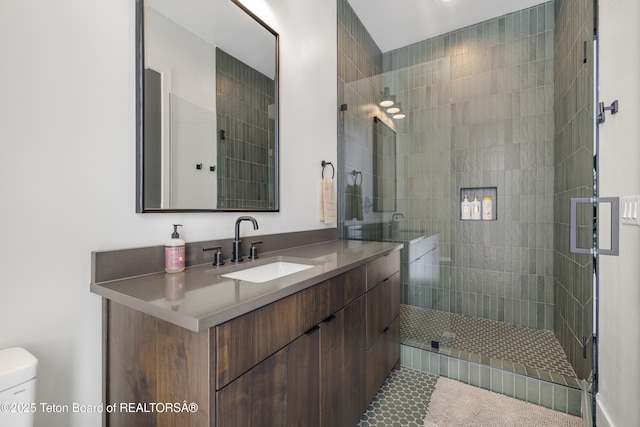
(384, 167)
(207, 127)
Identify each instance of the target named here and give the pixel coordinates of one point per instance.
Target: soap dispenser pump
(476, 208)
(174, 252)
(465, 208)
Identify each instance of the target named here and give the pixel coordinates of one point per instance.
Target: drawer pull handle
(312, 330)
(329, 319)
(385, 330)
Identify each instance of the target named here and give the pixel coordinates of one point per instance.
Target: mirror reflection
(384, 167)
(207, 137)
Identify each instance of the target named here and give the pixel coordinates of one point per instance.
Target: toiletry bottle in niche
(487, 208)
(475, 207)
(174, 252)
(465, 208)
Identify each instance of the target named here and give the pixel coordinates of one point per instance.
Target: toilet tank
(18, 369)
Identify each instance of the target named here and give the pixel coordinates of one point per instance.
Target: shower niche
(482, 193)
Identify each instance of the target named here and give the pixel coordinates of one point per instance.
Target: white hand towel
(328, 200)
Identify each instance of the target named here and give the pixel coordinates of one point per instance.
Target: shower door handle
(615, 225)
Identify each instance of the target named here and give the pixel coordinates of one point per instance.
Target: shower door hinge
(614, 108)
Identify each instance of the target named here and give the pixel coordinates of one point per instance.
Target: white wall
(619, 334)
(188, 67)
(67, 173)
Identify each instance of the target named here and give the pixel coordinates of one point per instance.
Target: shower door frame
(598, 119)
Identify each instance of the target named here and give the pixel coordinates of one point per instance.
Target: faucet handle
(253, 250)
(217, 258)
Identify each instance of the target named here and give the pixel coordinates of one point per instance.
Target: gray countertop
(408, 236)
(200, 298)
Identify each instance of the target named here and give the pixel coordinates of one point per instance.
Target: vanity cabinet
(312, 358)
(383, 322)
(279, 391)
(150, 361)
(247, 340)
(260, 385)
(342, 366)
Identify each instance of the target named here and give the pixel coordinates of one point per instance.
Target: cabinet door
(342, 366)
(382, 357)
(150, 360)
(283, 390)
(383, 305)
(382, 268)
(247, 340)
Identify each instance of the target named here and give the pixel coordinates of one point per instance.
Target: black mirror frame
(139, 107)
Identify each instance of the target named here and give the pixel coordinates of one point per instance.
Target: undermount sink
(266, 272)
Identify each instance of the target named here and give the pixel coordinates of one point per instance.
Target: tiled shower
(246, 138)
(504, 104)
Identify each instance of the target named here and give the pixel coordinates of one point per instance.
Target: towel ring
(355, 174)
(324, 164)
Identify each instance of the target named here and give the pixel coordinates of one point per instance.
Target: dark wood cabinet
(342, 366)
(382, 358)
(383, 322)
(382, 308)
(150, 361)
(382, 268)
(249, 339)
(280, 391)
(310, 359)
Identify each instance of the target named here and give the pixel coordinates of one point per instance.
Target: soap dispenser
(465, 208)
(475, 208)
(174, 252)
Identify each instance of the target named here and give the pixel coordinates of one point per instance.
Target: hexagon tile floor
(401, 401)
(404, 397)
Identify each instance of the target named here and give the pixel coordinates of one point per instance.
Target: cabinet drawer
(383, 305)
(342, 366)
(249, 339)
(283, 390)
(382, 357)
(382, 268)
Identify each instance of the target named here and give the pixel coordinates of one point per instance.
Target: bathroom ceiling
(398, 23)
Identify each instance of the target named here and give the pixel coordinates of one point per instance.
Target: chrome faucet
(236, 252)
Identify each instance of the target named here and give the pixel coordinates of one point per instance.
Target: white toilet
(18, 369)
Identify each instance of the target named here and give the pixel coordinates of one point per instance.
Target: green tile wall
(560, 397)
(504, 103)
(479, 104)
(359, 64)
(573, 171)
(246, 162)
